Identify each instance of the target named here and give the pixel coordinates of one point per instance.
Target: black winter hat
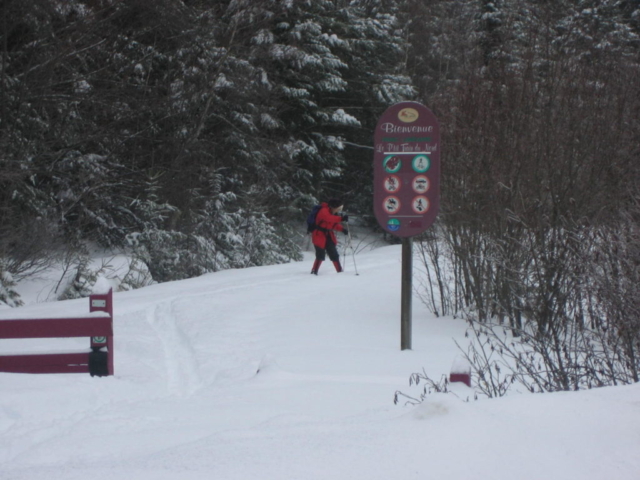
(335, 203)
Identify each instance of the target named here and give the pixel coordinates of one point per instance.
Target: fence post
(98, 364)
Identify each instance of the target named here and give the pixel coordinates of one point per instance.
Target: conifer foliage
(194, 133)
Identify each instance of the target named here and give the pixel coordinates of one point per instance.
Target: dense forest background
(198, 133)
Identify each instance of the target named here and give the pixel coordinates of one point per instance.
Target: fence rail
(97, 360)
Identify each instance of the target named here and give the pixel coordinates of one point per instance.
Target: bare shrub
(430, 386)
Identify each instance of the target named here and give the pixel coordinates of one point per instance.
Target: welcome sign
(406, 169)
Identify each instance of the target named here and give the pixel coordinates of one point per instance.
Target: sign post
(406, 194)
(405, 299)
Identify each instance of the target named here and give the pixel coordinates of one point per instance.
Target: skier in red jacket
(323, 237)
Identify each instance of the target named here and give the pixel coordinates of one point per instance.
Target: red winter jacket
(327, 223)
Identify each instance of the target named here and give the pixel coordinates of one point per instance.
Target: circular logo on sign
(420, 204)
(420, 184)
(392, 184)
(393, 225)
(408, 115)
(391, 204)
(421, 163)
(392, 164)
(99, 339)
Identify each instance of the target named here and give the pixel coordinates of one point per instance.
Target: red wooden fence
(98, 361)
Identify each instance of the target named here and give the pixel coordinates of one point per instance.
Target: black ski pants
(329, 248)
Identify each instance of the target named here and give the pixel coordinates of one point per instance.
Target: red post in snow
(460, 372)
(98, 327)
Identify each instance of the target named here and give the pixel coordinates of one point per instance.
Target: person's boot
(316, 267)
(337, 265)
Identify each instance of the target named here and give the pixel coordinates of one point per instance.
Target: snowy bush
(7, 295)
(81, 284)
(81, 274)
(137, 276)
(174, 255)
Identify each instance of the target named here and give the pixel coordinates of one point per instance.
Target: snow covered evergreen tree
(65, 128)
(327, 70)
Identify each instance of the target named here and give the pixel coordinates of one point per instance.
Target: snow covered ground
(274, 374)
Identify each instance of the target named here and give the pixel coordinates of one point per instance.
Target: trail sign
(406, 169)
(406, 185)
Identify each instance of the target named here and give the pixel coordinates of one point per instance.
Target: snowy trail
(271, 373)
(193, 339)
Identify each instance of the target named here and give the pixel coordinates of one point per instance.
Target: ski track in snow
(183, 373)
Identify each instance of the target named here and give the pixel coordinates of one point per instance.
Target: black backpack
(311, 218)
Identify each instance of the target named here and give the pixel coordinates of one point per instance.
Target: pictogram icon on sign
(420, 204)
(392, 184)
(421, 163)
(392, 164)
(420, 184)
(391, 204)
(393, 224)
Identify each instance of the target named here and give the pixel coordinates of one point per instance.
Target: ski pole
(344, 254)
(346, 244)
(353, 253)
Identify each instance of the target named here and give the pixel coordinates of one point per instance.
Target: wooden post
(407, 288)
(103, 303)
